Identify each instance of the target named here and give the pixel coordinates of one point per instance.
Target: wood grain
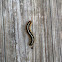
(46, 16)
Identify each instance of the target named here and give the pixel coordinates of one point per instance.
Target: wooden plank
(1, 35)
(38, 13)
(28, 17)
(55, 29)
(20, 32)
(9, 41)
(2, 52)
(47, 29)
(59, 15)
(1, 32)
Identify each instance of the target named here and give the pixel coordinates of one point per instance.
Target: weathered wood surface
(47, 28)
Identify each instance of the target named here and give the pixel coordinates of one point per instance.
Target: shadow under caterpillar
(28, 26)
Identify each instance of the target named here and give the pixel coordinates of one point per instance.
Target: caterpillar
(30, 33)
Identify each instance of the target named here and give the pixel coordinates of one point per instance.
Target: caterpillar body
(30, 33)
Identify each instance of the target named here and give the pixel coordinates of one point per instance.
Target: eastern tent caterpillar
(30, 33)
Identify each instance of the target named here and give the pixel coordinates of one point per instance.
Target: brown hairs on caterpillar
(28, 26)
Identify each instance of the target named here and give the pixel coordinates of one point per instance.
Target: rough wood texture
(46, 16)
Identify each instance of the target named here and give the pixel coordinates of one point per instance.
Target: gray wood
(46, 16)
